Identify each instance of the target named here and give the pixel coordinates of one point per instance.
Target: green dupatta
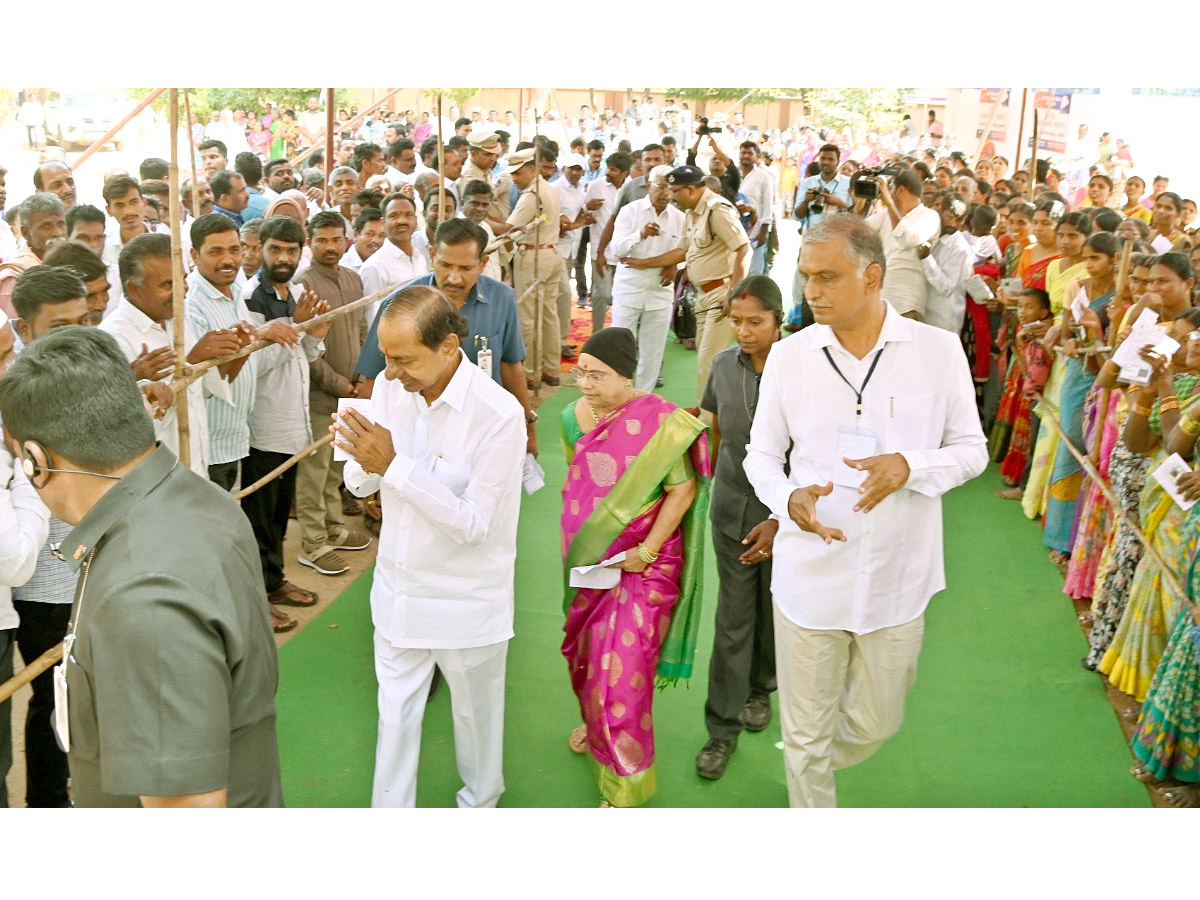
(628, 497)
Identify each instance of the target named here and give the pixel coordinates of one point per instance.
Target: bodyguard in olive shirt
(171, 670)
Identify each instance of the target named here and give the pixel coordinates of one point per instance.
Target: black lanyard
(858, 392)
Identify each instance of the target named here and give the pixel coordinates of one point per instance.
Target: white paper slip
(363, 407)
(1168, 476)
(1079, 305)
(1162, 245)
(978, 289)
(533, 477)
(597, 576)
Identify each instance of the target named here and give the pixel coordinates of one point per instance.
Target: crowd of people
(943, 309)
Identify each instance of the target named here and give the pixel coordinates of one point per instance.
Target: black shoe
(435, 685)
(659, 382)
(712, 760)
(757, 712)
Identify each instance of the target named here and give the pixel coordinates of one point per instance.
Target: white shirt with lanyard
(854, 441)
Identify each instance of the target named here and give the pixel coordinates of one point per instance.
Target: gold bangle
(1170, 398)
(1167, 406)
(1133, 388)
(646, 554)
(1142, 410)
(1189, 426)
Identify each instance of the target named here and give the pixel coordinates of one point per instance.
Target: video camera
(866, 187)
(704, 129)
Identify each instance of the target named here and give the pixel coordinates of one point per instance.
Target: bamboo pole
(987, 131)
(181, 406)
(329, 119)
(539, 313)
(284, 466)
(1033, 155)
(97, 144)
(303, 155)
(1021, 135)
(193, 372)
(441, 158)
(187, 112)
(50, 658)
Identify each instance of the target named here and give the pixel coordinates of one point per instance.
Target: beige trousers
(841, 695)
(564, 301)
(318, 500)
(545, 296)
(713, 334)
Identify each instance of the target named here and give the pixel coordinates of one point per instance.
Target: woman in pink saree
(637, 487)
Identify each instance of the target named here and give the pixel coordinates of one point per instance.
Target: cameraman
(719, 165)
(903, 224)
(826, 192)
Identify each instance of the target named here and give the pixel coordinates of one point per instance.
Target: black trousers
(582, 263)
(224, 475)
(7, 640)
(743, 657)
(267, 509)
(42, 626)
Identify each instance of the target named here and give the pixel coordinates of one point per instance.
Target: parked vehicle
(74, 119)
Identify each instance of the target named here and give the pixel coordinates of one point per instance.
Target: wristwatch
(531, 417)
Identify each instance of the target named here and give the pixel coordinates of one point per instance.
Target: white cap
(574, 159)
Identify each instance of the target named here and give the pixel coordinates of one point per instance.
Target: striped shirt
(53, 581)
(207, 309)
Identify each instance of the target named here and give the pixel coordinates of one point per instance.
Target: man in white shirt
(141, 322)
(948, 263)
(600, 200)
(649, 243)
(903, 224)
(397, 261)
(573, 218)
(369, 236)
(445, 451)
(759, 190)
(885, 424)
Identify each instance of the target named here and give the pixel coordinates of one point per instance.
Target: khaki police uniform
(713, 234)
(536, 258)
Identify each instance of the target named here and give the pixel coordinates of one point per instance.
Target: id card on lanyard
(854, 441)
(483, 355)
(62, 714)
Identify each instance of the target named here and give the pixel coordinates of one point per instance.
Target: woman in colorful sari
(1066, 476)
(1167, 739)
(1036, 257)
(1015, 429)
(1020, 233)
(637, 489)
(1164, 220)
(1070, 268)
(1151, 610)
(1127, 477)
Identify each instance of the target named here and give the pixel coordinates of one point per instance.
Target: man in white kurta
(859, 550)
(449, 473)
(647, 241)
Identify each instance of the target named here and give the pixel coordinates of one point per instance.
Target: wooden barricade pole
(329, 120)
(177, 284)
(112, 132)
(304, 154)
(187, 113)
(987, 131)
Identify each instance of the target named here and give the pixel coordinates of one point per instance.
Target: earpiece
(33, 468)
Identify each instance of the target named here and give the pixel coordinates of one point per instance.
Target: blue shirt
(491, 312)
(839, 187)
(256, 207)
(237, 217)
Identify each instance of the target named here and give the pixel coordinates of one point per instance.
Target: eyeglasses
(579, 376)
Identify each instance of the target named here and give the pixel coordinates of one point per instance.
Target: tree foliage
(458, 96)
(863, 109)
(752, 96)
(207, 100)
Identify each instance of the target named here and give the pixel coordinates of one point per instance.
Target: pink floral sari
(617, 639)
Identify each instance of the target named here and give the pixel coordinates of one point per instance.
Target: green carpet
(1002, 713)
